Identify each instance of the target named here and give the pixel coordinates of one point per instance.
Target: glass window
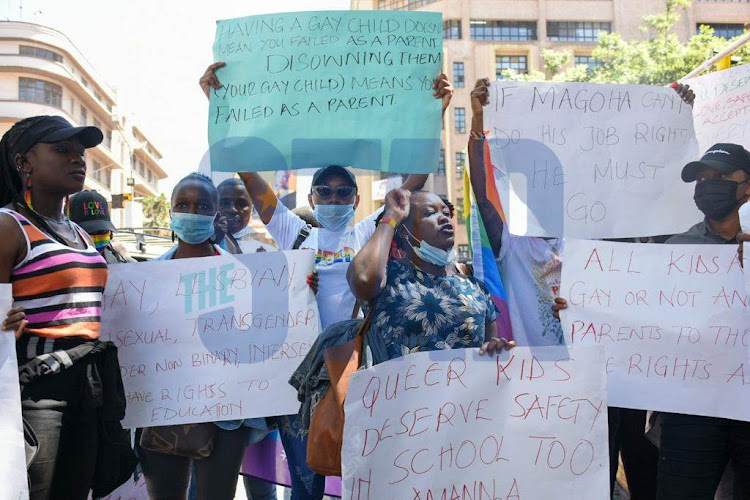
(84, 116)
(460, 164)
(452, 29)
(460, 216)
(441, 162)
(518, 64)
(84, 82)
(39, 91)
(459, 119)
(576, 31)
(98, 96)
(96, 172)
(459, 75)
(108, 139)
(589, 61)
(27, 50)
(402, 4)
(502, 30)
(725, 30)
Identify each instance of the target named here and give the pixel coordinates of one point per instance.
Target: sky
(153, 52)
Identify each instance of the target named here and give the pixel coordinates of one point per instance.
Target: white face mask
(431, 254)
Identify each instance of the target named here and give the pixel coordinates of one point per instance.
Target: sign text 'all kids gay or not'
(453, 424)
(673, 319)
(210, 339)
(310, 89)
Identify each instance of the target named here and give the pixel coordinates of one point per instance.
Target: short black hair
(199, 177)
(231, 182)
(397, 237)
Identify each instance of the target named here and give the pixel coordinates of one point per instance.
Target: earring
(27, 192)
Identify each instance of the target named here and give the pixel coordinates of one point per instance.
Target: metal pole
(727, 51)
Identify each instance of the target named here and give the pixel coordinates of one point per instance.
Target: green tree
(156, 211)
(660, 59)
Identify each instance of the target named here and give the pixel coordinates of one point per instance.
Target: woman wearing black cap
(58, 278)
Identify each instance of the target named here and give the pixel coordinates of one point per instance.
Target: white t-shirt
(334, 251)
(531, 268)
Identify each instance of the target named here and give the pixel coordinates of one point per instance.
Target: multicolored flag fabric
(483, 258)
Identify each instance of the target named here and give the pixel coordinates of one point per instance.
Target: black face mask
(716, 198)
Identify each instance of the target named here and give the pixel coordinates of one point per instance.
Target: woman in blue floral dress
(406, 271)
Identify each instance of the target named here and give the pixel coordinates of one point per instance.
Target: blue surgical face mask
(431, 254)
(334, 217)
(192, 228)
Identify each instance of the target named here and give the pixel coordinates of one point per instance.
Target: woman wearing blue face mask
(195, 207)
(407, 273)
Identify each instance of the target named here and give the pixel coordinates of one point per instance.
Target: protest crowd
(387, 288)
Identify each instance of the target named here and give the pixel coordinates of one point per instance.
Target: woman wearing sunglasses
(333, 198)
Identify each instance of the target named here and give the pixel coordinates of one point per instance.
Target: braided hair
(202, 178)
(11, 187)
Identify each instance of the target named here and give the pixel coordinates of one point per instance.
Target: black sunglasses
(342, 192)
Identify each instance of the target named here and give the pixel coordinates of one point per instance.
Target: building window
(402, 4)
(459, 75)
(109, 107)
(27, 50)
(589, 61)
(108, 139)
(97, 124)
(576, 31)
(96, 173)
(460, 164)
(441, 163)
(452, 29)
(463, 253)
(459, 120)
(98, 96)
(460, 216)
(84, 116)
(39, 91)
(150, 176)
(84, 82)
(133, 162)
(725, 30)
(517, 64)
(503, 30)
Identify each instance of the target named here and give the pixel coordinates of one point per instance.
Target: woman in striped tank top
(57, 277)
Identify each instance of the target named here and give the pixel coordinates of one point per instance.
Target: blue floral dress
(417, 311)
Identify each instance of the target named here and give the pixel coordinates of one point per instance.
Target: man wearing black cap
(695, 450)
(90, 210)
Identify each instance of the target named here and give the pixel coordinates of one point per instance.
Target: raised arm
(443, 90)
(264, 199)
(367, 272)
(493, 222)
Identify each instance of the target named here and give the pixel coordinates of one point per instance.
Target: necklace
(64, 222)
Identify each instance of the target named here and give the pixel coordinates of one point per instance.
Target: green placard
(310, 89)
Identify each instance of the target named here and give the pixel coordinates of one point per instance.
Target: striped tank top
(60, 287)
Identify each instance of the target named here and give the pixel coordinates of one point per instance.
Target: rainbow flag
(483, 258)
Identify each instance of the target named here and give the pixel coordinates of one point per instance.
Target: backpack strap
(301, 237)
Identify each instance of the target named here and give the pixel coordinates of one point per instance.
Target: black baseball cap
(50, 129)
(333, 170)
(90, 210)
(726, 158)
